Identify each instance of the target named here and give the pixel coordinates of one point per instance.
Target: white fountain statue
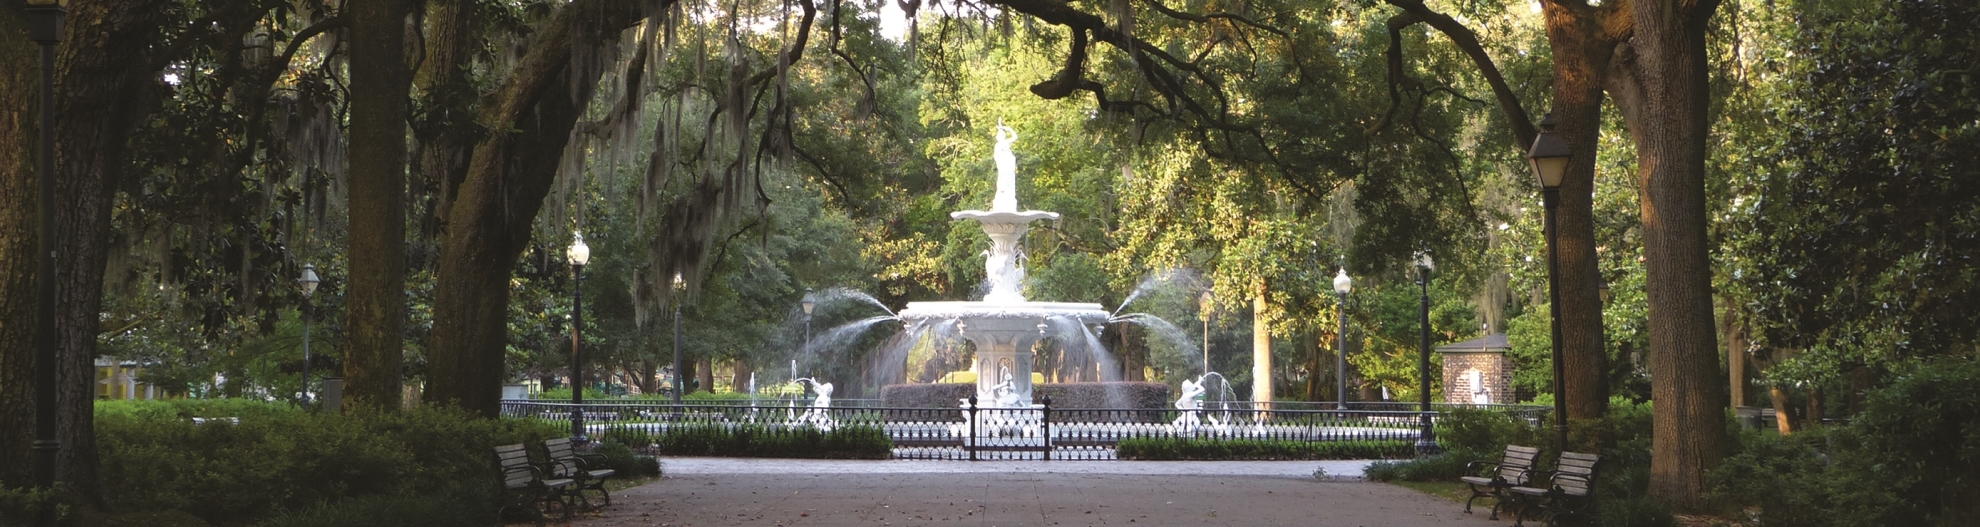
(1188, 405)
(1004, 325)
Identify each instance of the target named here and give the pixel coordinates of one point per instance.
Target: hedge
(844, 442)
(1176, 448)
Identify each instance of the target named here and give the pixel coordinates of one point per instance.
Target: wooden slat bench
(1492, 478)
(584, 469)
(524, 486)
(1568, 490)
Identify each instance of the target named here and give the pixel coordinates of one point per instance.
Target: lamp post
(1549, 158)
(1426, 439)
(680, 288)
(580, 255)
(1342, 285)
(308, 281)
(1205, 301)
(45, 18)
(807, 303)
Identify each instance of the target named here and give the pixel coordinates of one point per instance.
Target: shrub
(626, 463)
(940, 395)
(276, 458)
(457, 505)
(1445, 466)
(844, 442)
(1067, 396)
(1178, 448)
(1480, 430)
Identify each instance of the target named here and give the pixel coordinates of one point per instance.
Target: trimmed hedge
(845, 442)
(1192, 449)
(277, 458)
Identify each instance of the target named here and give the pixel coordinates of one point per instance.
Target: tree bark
(20, 69)
(1582, 45)
(106, 78)
(375, 308)
(1666, 72)
(1261, 351)
(488, 223)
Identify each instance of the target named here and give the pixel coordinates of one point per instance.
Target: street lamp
(680, 288)
(1205, 301)
(1426, 439)
(580, 255)
(1549, 157)
(45, 18)
(308, 281)
(1342, 285)
(807, 303)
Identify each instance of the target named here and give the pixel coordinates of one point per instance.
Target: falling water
(1177, 277)
(1168, 332)
(840, 294)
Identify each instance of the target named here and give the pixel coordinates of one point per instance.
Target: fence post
(969, 443)
(1046, 422)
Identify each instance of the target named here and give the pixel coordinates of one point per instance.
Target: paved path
(709, 492)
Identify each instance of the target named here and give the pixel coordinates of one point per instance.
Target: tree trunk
(489, 220)
(1581, 50)
(107, 66)
(1784, 420)
(20, 110)
(1261, 351)
(375, 308)
(1666, 75)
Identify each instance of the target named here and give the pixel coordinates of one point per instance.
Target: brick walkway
(707, 492)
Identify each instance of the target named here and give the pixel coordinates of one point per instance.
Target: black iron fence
(970, 432)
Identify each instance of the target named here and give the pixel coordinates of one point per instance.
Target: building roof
(1493, 343)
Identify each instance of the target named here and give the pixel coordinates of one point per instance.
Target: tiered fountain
(1004, 325)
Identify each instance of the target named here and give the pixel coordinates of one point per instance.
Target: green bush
(1445, 466)
(458, 505)
(626, 463)
(844, 442)
(1479, 430)
(20, 506)
(275, 458)
(1910, 458)
(1178, 448)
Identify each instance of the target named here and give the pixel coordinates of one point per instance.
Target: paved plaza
(708, 492)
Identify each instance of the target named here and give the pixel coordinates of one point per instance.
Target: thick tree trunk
(1261, 351)
(375, 308)
(1582, 49)
(106, 72)
(1667, 69)
(1784, 420)
(20, 110)
(489, 220)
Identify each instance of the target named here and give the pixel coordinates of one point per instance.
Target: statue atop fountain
(1004, 325)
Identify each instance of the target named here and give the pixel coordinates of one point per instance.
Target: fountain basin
(1003, 333)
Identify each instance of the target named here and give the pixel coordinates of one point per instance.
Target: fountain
(1004, 325)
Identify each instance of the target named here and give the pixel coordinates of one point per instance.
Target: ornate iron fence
(971, 432)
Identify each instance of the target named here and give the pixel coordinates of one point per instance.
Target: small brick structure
(1477, 371)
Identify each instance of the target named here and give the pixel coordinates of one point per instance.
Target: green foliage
(461, 504)
(843, 442)
(1182, 448)
(1478, 430)
(275, 459)
(620, 458)
(1633, 511)
(1445, 466)
(21, 506)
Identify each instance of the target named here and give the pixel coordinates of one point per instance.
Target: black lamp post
(807, 303)
(680, 288)
(580, 255)
(1342, 285)
(308, 281)
(1205, 301)
(1426, 439)
(1549, 158)
(45, 19)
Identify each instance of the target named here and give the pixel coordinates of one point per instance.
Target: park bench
(1569, 489)
(524, 486)
(1492, 478)
(565, 462)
